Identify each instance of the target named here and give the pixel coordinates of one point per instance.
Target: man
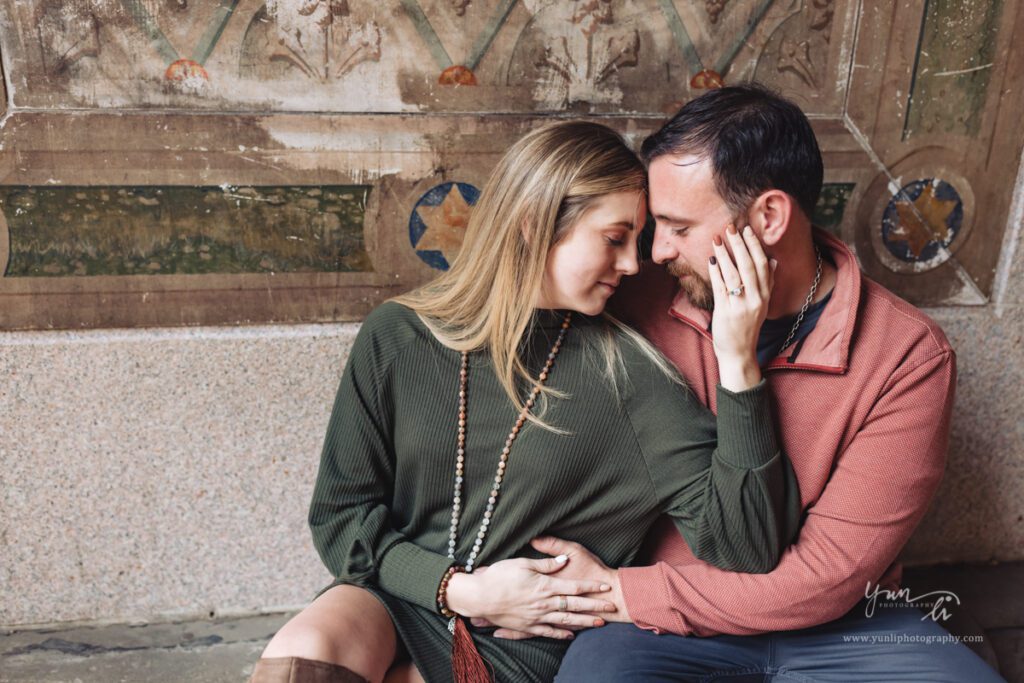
(863, 384)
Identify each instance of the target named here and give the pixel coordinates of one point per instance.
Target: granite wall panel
(157, 473)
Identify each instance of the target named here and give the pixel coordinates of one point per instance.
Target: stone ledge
(216, 651)
(224, 650)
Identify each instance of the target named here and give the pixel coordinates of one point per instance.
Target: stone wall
(186, 187)
(166, 472)
(978, 514)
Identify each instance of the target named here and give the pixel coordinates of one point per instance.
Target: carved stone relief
(213, 55)
(460, 6)
(67, 33)
(913, 104)
(107, 42)
(318, 39)
(550, 54)
(797, 53)
(723, 45)
(457, 35)
(714, 9)
(574, 51)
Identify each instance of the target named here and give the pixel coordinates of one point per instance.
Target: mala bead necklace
(460, 452)
(467, 664)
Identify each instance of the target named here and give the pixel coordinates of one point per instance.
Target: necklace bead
(460, 451)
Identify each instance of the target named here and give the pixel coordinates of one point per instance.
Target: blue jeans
(893, 646)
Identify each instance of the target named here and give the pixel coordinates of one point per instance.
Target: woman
(496, 404)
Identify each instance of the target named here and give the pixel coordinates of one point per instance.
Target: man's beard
(697, 289)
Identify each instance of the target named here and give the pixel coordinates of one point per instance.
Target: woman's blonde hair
(537, 192)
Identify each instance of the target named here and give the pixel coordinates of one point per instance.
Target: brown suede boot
(299, 670)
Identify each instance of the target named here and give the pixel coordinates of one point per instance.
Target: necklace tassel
(468, 665)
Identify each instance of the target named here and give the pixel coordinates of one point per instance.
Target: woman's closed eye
(615, 239)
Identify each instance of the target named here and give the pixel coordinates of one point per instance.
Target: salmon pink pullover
(863, 412)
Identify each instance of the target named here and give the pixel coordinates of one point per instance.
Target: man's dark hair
(755, 140)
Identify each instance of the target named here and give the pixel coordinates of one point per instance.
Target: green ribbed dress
(381, 508)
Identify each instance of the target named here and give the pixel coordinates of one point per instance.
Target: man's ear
(770, 215)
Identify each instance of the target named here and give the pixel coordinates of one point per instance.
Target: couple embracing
(507, 436)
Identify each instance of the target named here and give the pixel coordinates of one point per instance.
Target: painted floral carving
(577, 50)
(714, 9)
(320, 38)
(795, 57)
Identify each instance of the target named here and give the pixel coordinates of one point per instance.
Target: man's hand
(585, 565)
(525, 596)
(581, 565)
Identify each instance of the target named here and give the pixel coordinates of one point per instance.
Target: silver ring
(736, 291)
(563, 604)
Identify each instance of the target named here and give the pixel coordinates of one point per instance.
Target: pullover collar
(827, 347)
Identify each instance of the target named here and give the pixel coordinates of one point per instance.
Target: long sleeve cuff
(648, 600)
(411, 573)
(746, 436)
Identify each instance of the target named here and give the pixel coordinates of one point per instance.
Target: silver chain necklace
(807, 302)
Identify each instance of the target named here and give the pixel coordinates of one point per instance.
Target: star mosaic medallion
(438, 222)
(922, 220)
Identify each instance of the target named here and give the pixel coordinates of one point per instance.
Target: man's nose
(662, 249)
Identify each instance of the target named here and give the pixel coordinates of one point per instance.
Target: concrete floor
(224, 650)
(208, 651)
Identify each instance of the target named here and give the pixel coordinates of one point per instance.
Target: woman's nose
(629, 262)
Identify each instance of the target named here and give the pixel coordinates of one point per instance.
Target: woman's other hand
(523, 595)
(742, 286)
